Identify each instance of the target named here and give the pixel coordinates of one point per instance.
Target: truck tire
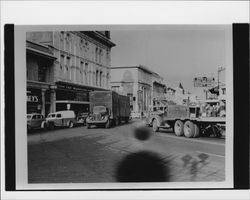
(178, 128)
(197, 131)
(107, 125)
(155, 126)
(88, 126)
(116, 122)
(189, 129)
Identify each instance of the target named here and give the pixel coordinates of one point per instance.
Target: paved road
(93, 155)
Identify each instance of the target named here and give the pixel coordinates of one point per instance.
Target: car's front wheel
(71, 124)
(107, 125)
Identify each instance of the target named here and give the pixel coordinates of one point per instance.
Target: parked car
(65, 118)
(81, 118)
(35, 121)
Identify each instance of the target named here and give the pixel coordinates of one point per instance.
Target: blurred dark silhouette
(142, 133)
(142, 167)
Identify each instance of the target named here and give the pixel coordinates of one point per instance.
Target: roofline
(137, 66)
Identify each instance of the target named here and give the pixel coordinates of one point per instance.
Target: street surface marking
(211, 154)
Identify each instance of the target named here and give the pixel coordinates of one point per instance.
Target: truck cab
(100, 115)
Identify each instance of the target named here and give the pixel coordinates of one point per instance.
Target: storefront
(38, 98)
(73, 97)
(39, 71)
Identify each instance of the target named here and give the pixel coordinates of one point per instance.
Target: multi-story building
(82, 64)
(40, 61)
(139, 83)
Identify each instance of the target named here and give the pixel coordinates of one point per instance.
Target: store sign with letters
(32, 98)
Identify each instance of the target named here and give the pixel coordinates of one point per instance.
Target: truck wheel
(71, 125)
(107, 125)
(189, 129)
(88, 126)
(155, 126)
(116, 122)
(178, 128)
(196, 131)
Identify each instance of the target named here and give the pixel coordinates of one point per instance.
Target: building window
(100, 56)
(96, 78)
(41, 73)
(62, 40)
(96, 54)
(100, 79)
(67, 68)
(81, 70)
(86, 73)
(61, 62)
(107, 80)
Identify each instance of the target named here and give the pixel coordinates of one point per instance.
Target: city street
(81, 155)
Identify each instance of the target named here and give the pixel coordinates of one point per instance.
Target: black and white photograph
(125, 100)
(128, 104)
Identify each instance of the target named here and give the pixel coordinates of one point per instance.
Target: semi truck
(185, 120)
(108, 108)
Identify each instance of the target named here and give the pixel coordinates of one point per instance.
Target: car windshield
(99, 109)
(29, 116)
(51, 115)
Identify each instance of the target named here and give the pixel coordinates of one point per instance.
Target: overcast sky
(177, 53)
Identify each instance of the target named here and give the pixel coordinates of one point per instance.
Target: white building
(140, 84)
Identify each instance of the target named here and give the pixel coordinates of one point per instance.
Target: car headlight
(103, 117)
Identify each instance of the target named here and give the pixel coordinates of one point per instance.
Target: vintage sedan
(35, 121)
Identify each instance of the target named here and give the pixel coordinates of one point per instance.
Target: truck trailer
(185, 120)
(108, 108)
